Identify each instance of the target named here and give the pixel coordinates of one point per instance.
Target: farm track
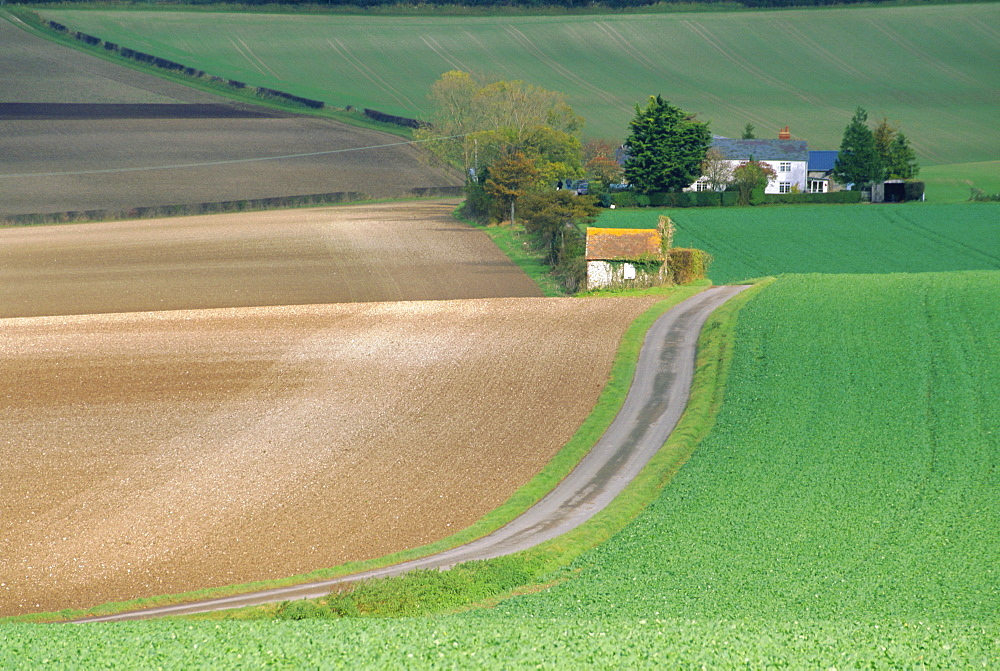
(655, 403)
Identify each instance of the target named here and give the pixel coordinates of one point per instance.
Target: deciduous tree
(600, 162)
(666, 147)
(751, 175)
(510, 177)
(717, 170)
(472, 123)
(549, 215)
(898, 157)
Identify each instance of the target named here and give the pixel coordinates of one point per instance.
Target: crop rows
(851, 476)
(755, 242)
(504, 643)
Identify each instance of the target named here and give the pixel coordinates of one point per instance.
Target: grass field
(842, 514)
(755, 242)
(929, 68)
(953, 183)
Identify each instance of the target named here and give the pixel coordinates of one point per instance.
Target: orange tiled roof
(623, 244)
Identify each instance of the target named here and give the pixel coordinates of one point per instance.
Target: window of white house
(784, 187)
(701, 185)
(785, 166)
(817, 186)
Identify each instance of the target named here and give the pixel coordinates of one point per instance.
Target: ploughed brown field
(196, 402)
(158, 452)
(81, 133)
(375, 252)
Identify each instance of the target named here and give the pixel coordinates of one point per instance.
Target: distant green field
(843, 514)
(761, 241)
(953, 183)
(930, 68)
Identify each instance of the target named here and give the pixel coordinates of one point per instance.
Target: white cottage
(788, 158)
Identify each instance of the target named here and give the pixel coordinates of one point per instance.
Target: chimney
(784, 134)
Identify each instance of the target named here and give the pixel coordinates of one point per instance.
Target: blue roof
(762, 150)
(822, 161)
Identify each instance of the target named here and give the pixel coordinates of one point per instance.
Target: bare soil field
(376, 252)
(149, 453)
(61, 158)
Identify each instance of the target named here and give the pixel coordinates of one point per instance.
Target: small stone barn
(624, 257)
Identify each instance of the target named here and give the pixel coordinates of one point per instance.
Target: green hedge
(809, 198)
(730, 198)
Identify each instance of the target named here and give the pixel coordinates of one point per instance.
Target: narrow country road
(654, 404)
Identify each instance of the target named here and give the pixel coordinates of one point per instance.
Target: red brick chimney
(784, 134)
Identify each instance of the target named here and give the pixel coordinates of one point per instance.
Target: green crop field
(930, 68)
(755, 242)
(953, 183)
(843, 514)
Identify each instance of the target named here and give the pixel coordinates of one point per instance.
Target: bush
(624, 199)
(913, 190)
(708, 198)
(730, 198)
(382, 117)
(980, 196)
(810, 198)
(642, 200)
(688, 265)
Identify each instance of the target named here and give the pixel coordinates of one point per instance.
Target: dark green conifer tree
(666, 148)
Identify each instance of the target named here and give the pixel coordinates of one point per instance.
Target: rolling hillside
(842, 515)
(932, 69)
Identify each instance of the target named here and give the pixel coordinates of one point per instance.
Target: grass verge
(516, 244)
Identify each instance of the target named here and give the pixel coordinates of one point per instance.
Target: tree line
(520, 148)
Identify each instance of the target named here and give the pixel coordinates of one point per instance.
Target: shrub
(641, 200)
(406, 122)
(708, 198)
(688, 265)
(624, 199)
(730, 198)
(980, 196)
(913, 190)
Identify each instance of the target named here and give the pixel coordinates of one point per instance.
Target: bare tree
(717, 171)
